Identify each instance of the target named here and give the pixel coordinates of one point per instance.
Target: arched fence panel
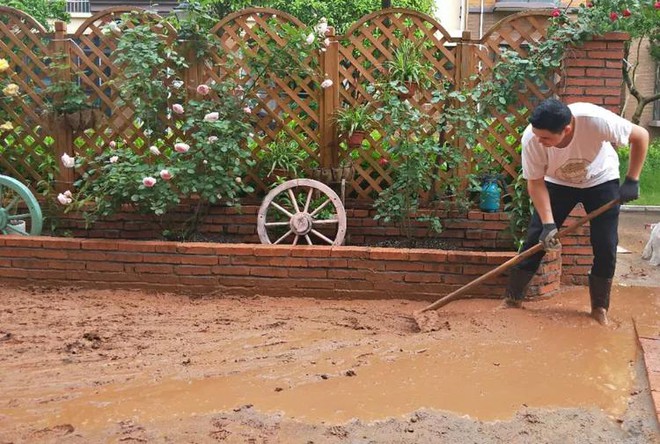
(25, 148)
(287, 104)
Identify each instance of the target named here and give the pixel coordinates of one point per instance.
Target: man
(568, 156)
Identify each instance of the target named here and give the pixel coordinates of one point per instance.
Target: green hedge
(649, 181)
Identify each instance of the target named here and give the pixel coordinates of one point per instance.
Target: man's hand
(629, 190)
(549, 237)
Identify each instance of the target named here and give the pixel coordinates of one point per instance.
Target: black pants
(604, 228)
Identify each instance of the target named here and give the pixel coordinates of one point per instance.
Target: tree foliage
(339, 13)
(42, 10)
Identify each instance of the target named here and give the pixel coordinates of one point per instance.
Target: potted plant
(283, 157)
(354, 122)
(408, 67)
(67, 100)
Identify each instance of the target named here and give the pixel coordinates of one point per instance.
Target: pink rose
(211, 117)
(203, 89)
(177, 108)
(181, 147)
(556, 13)
(614, 16)
(165, 175)
(149, 181)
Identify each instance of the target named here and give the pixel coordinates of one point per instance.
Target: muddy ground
(93, 366)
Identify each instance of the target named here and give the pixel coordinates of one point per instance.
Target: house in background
(476, 16)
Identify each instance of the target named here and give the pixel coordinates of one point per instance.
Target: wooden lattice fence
(293, 104)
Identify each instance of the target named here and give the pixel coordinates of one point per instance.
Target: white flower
(205, 161)
(177, 108)
(67, 193)
(211, 117)
(165, 175)
(114, 159)
(11, 89)
(310, 38)
(68, 161)
(212, 139)
(7, 126)
(154, 150)
(149, 181)
(322, 26)
(326, 41)
(177, 84)
(64, 199)
(112, 144)
(238, 180)
(248, 110)
(327, 83)
(181, 147)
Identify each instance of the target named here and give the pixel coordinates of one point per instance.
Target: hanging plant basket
(356, 138)
(334, 174)
(83, 119)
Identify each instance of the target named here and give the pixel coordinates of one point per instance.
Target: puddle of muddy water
(550, 355)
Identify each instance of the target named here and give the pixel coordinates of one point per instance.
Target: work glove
(549, 237)
(629, 190)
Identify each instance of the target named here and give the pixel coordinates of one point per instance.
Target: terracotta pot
(355, 139)
(412, 89)
(82, 119)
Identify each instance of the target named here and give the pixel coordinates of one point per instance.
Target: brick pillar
(592, 72)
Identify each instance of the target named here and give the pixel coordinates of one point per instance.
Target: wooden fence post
(62, 133)
(464, 69)
(329, 102)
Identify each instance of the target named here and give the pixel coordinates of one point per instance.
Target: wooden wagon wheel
(15, 197)
(302, 208)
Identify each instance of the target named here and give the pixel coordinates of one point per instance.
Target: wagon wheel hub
(301, 223)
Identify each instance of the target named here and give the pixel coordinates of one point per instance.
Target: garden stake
(427, 319)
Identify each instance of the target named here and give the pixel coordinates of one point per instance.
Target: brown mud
(95, 366)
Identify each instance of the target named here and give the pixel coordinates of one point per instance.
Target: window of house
(77, 6)
(519, 5)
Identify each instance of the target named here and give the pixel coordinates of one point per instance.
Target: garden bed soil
(81, 366)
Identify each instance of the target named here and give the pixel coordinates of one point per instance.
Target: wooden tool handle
(458, 294)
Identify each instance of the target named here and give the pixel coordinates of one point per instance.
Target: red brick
(152, 268)
(104, 266)
(307, 273)
(231, 270)
(378, 253)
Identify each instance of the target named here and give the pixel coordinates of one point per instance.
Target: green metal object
(15, 197)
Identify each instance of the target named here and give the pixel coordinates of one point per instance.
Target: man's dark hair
(551, 115)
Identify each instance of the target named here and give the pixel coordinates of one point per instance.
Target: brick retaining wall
(474, 230)
(249, 269)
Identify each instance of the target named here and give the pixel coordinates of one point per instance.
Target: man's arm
(541, 199)
(639, 145)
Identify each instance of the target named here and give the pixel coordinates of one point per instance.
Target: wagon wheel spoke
(325, 221)
(277, 224)
(13, 203)
(309, 240)
(308, 200)
(321, 236)
(292, 196)
(319, 208)
(19, 216)
(282, 209)
(283, 237)
(12, 230)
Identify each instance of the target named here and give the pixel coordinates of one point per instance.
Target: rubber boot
(599, 291)
(517, 287)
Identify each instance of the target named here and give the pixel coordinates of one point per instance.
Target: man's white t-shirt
(589, 159)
